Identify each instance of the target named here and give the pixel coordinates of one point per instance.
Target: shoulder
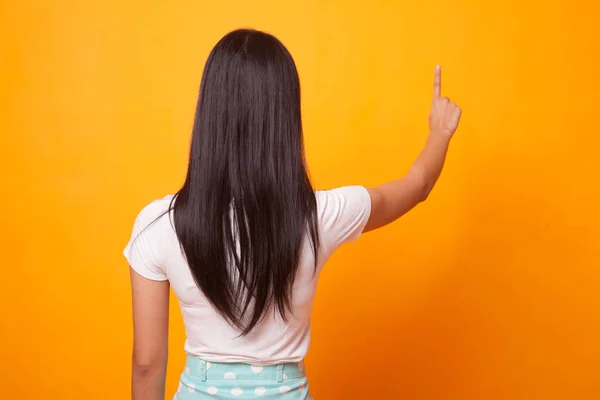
(153, 211)
(146, 249)
(153, 222)
(343, 214)
(342, 200)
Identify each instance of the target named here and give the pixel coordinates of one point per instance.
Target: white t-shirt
(154, 253)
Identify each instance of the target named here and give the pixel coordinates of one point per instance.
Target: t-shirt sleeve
(143, 250)
(344, 214)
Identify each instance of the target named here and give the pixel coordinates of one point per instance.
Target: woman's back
(155, 253)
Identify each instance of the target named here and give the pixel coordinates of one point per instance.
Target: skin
(388, 203)
(150, 334)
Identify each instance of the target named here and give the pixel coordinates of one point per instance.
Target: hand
(445, 115)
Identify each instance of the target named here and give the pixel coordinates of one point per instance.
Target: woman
(243, 242)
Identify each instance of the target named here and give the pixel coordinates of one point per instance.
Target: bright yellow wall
(491, 290)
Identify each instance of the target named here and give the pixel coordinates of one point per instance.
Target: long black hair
(247, 205)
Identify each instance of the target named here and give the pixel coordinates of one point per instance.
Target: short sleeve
(344, 213)
(143, 249)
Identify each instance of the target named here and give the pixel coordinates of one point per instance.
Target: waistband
(208, 370)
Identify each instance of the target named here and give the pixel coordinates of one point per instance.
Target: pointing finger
(437, 82)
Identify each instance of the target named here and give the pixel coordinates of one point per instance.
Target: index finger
(437, 82)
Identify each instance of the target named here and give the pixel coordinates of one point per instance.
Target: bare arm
(150, 325)
(393, 199)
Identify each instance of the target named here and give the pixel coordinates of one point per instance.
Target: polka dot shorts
(204, 380)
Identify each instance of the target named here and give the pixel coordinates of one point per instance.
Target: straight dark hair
(247, 205)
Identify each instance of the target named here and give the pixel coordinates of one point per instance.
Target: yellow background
(491, 290)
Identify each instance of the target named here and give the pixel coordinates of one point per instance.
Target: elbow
(143, 371)
(424, 189)
(425, 192)
(148, 366)
(421, 185)
(146, 371)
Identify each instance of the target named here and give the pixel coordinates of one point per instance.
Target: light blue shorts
(204, 380)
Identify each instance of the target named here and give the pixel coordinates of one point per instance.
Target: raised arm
(393, 199)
